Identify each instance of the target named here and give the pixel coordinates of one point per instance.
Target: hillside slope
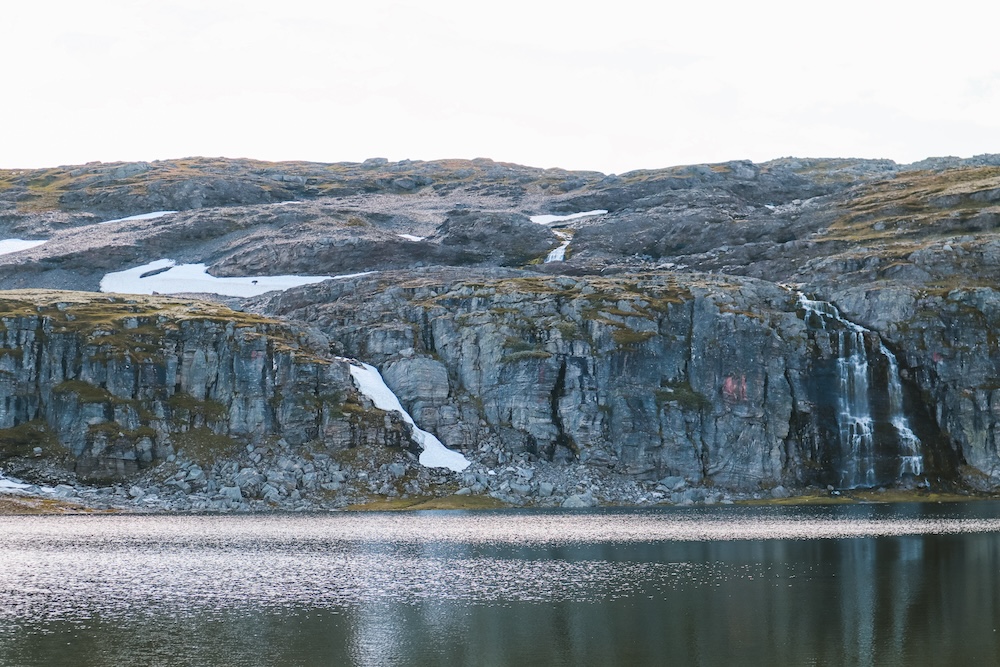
(737, 326)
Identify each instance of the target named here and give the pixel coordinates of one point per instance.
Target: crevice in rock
(563, 439)
(427, 334)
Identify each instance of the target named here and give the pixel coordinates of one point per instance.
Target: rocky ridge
(667, 350)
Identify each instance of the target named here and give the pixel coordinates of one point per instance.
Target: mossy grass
(916, 205)
(628, 338)
(204, 446)
(22, 439)
(134, 327)
(683, 395)
(525, 355)
(34, 505)
(85, 392)
(868, 496)
(182, 403)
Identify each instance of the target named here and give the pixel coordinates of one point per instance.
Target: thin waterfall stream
(861, 447)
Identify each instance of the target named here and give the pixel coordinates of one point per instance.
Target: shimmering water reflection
(859, 585)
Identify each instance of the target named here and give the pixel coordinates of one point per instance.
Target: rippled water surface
(852, 585)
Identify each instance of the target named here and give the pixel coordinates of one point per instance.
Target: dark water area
(905, 584)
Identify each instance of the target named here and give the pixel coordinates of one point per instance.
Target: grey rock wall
(117, 385)
(712, 379)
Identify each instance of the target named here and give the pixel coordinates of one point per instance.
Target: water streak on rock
(559, 254)
(855, 419)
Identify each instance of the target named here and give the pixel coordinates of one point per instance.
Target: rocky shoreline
(276, 479)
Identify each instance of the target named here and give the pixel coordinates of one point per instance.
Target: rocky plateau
(712, 333)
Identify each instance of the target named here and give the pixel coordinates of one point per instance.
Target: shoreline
(18, 505)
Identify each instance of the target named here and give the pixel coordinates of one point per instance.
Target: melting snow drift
(16, 486)
(549, 219)
(411, 237)
(141, 216)
(8, 484)
(435, 454)
(164, 276)
(8, 246)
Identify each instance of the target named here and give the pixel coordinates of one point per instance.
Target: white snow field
(549, 219)
(164, 276)
(141, 216)
(8, 246)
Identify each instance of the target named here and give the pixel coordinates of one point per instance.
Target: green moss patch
(683, 395)
(85, 392)
(185, 404)
(22, 439)
(204, 446)
(525, 355)
(628, 338)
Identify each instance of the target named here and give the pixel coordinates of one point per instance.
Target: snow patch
(549, 219)
(8, 246)
(11, 485)
(164, 276)
(141, 216)
(434, 454)
(16, 486)
(411, 237)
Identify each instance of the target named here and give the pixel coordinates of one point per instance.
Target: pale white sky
(609, 86)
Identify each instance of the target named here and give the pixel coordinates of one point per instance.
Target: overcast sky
(608, 86)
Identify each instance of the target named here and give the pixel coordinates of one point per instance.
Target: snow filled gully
(142, 216)
(435, 454)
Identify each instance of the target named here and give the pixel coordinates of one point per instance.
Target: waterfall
(559, 254)
(859, 447)
(912, 460)
(857, 430)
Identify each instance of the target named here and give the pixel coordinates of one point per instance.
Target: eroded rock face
(708, 378)
(651, 348)
(947, 338)
(507, 239)
(118, 384)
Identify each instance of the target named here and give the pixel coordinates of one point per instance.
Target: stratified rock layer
(666, 343)
(714, 379)
(118, 384)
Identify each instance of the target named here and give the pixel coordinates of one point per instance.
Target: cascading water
(559, 254)
(912, 461)
(864, 443)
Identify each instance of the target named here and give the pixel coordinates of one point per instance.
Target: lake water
(907, 584)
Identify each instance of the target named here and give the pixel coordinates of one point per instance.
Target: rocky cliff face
(112, 386)
(670, 343)
(718, 380)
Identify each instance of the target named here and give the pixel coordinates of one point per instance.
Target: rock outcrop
(112, 386)
(716, 380)
(668, 343)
